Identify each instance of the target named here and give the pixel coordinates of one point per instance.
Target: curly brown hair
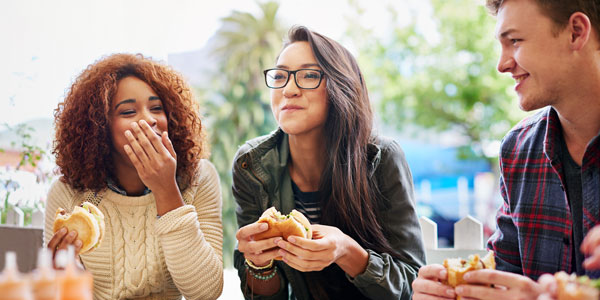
(83, 143)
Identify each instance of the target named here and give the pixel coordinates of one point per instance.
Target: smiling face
(299, 111)
(134, 100)
(537, 58)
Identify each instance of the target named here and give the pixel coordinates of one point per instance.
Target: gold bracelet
(259, 269)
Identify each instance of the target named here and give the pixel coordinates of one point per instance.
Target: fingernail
(450, 292)
(467, 276)
(459, 290)
(263, 226)
(292, 239)
(63, 230)
(134, 125)
(276, 240)
(142, 122)
(280, 253)
(281, 245)
(72, 233)
(443, 273)
(128, 133)
(78, 243)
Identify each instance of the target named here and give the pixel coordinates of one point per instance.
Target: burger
(571, 287)
(458, 267)
(87, 220)
(294, 223)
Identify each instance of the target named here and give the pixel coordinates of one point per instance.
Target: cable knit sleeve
(192, 237)
(60, 195)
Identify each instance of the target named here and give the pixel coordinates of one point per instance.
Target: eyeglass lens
(305, 78)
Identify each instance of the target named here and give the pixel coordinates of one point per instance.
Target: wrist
(167, 188)
(259, 268)
(167, 200)
(355, 259)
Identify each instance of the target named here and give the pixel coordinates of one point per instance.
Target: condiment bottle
(13, 285)
(44, 280)
(76, 284)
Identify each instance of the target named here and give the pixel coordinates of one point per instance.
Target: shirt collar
(115, 188)
(551, 140)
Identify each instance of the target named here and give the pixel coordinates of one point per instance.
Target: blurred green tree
(442, 78)
(238, 100)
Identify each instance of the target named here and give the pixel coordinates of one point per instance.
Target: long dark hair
(348, 194)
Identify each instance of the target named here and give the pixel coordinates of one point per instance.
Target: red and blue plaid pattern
(534, 231)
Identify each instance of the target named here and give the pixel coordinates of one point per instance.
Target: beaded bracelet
(263, 277)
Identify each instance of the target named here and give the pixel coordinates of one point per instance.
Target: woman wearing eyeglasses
(325, 161)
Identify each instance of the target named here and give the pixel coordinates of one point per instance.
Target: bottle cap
(44, 260)
(10, 261)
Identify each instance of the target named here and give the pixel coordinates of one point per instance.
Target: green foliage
(238, 100)
(448, 82)
(30, 155)
(445, 80)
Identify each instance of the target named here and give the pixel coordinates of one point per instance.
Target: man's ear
(580, 29)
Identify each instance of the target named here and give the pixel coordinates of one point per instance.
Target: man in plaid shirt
(550, 162)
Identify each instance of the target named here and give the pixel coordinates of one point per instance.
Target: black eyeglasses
(305, 78)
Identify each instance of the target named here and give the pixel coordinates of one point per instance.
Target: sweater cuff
(176, 220)
(373, 274)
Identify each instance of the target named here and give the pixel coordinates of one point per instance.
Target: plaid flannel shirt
(535, 227)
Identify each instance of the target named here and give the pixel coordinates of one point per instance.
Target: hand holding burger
(572, 287)
(257, 240)
(83, 227)
(458, 267)
(294, 223)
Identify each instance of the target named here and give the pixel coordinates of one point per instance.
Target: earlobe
(580, 29)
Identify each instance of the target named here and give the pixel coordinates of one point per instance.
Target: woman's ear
(580, 29)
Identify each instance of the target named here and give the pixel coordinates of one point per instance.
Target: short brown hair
(83, 145)
(559, 11)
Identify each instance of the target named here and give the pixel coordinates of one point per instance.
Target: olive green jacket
(261, 180)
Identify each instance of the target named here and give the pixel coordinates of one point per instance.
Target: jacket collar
(273, 153)
(268, 157)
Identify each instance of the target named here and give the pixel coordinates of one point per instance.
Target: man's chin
(531, 104)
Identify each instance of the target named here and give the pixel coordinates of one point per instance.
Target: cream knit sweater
(145, 257)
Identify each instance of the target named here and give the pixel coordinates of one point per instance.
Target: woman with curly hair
(129, 139)
(325, 161)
